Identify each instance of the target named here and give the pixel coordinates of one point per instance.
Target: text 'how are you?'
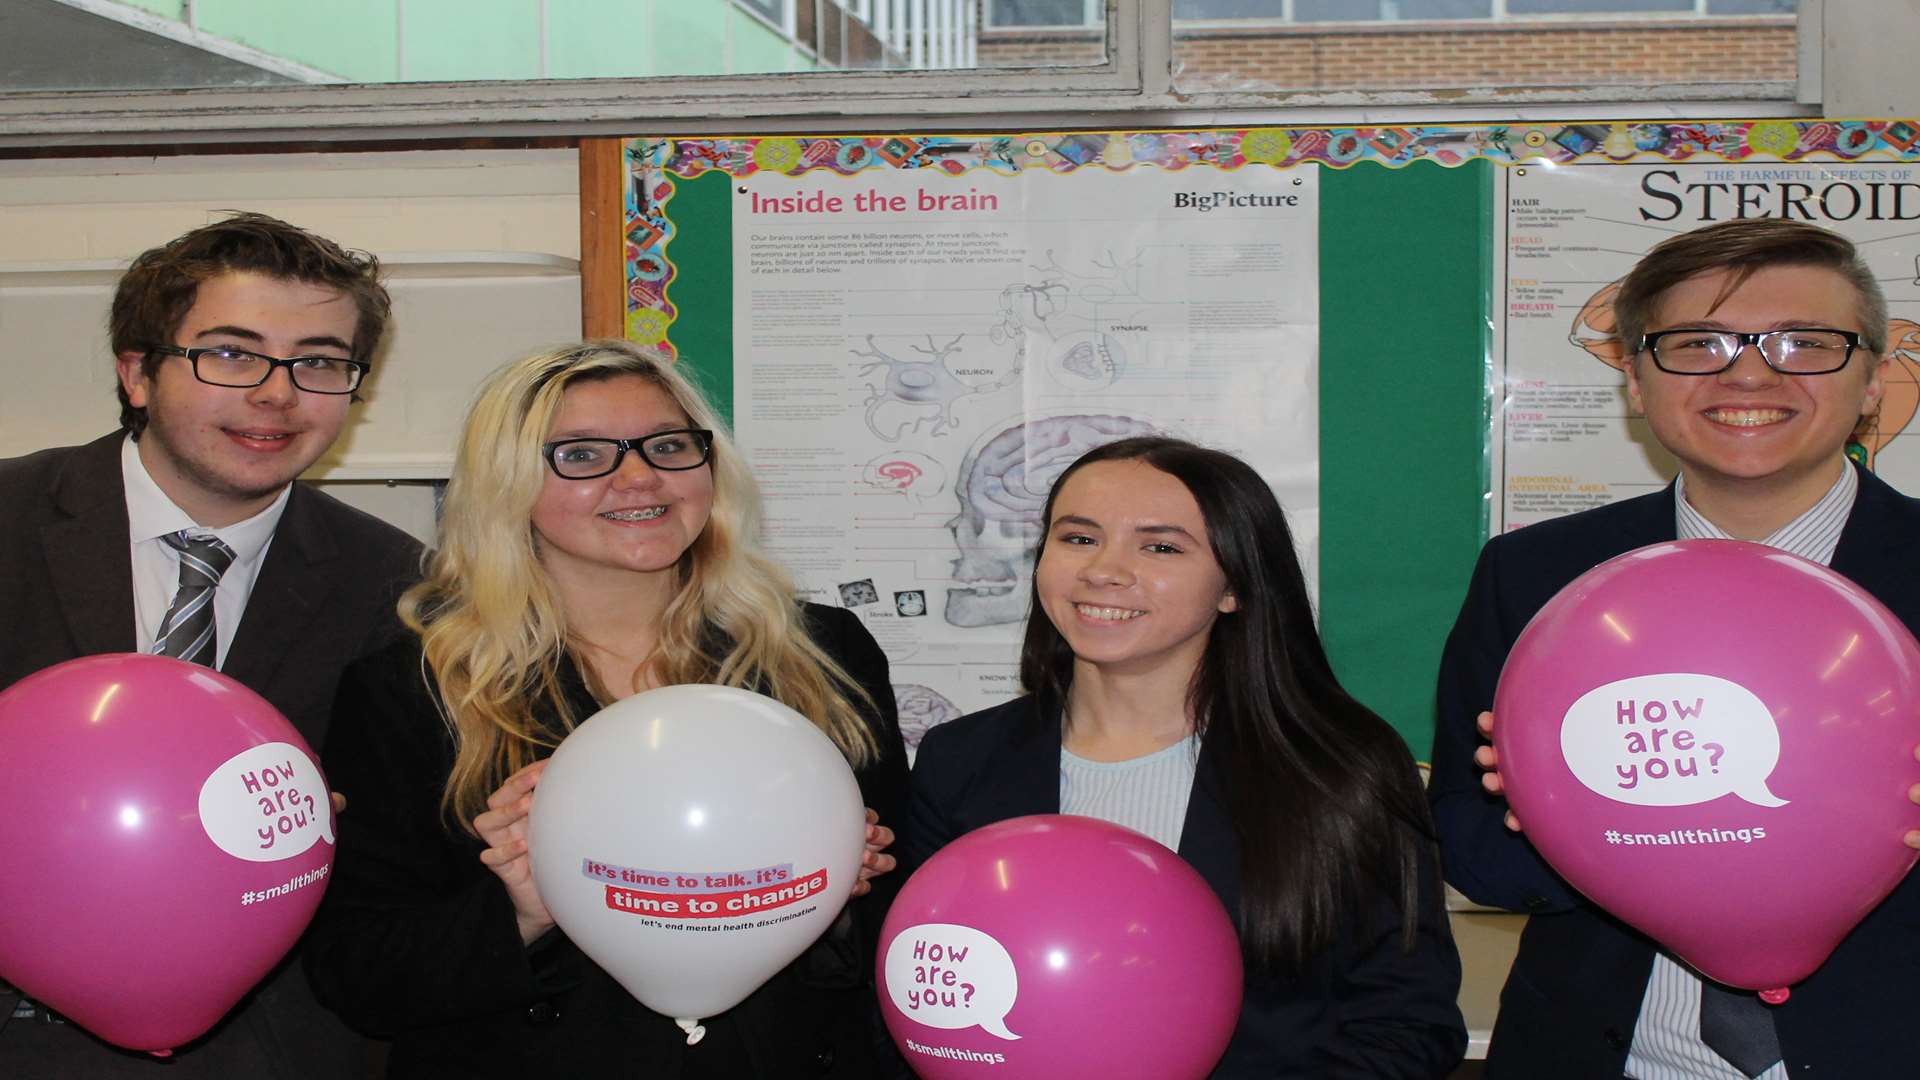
(1701, 719)
(178, 778)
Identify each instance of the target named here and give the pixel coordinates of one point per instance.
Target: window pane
(1375, 10)
(1594, 7)
(163, 44)
(1041, 12)
(1228, 9)
(1043, 33)
(1440, 45)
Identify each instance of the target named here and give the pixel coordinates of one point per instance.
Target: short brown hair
(160, 287)
(1746, 246)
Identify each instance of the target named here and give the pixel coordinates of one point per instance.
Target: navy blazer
(1366, 1008)
(1573, 997)
(324, 595)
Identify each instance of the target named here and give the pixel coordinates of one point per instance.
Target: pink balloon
(1713, 740)
(167, 836)
(1055, 946)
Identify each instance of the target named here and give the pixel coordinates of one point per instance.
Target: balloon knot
(691, 1025)
(1775, 996)
(161, 1053)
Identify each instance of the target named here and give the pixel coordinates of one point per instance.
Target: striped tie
(187, 631)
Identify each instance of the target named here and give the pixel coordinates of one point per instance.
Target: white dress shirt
(156, 567)
(1666, 1039)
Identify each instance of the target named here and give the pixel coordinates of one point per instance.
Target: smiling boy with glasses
(1754, 348)
(101, 545)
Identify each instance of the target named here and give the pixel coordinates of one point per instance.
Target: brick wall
(1430, 56)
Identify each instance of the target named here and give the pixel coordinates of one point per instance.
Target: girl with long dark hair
(1176, 685)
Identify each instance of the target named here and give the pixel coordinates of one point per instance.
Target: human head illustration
(1003, 485)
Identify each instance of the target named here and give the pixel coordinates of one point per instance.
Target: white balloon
(694, 840)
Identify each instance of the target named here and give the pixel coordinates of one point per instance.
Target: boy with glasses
(1755, 347)
(238, 348)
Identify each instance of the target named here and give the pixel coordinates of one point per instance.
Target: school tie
(1738, 1027)
(187, 631)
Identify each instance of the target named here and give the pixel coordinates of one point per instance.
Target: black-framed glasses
(1794, 351)
(241, 369)
(668, 451)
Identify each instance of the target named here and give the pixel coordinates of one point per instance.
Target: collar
(1813, 535)
(151, 514)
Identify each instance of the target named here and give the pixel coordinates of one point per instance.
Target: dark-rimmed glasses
(668, 451)
(1794, 351)
(242, 369)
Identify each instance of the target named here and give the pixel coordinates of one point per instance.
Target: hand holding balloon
(1489, 759)
(504, 828)
(873, 862)
(1693, 749)
(1913, 794)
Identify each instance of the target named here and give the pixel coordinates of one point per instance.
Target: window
(1512, 45)
(1003, 13)
(440, 68)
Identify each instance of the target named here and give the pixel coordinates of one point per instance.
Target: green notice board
(1405, 272)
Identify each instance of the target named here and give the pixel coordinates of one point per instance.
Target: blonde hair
(494, 634)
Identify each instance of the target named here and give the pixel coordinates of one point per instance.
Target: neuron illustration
(1003, 487)
(1023, 305)
(927, 387)
(1060, 317)
(922, 708)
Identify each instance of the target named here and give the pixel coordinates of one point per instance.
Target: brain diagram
(1003, 488)
(921, 708)
(912, 474)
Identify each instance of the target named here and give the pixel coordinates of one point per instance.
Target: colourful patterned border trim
(653, 164)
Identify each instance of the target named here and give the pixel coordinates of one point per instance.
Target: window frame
(1133, 88)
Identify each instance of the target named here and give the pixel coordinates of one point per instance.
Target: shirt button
(823, 1061)
(1615, 1039)
(541, 1013)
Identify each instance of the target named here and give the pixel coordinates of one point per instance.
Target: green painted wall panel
(702, 289)
(605, 39)
(1405, 274)
(458, 39)
(354, 39)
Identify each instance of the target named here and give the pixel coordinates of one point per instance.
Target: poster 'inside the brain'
(919, 354)
(1565, 437)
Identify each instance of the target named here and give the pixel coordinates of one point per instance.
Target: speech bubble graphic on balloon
(1127, 962)
(266, 803)
(1700, 719)
(952, 977)
(1672, 739)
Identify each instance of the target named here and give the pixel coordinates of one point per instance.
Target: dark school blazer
(1573, 997)
(1363, 1009)
(416, 939)
(324, 595)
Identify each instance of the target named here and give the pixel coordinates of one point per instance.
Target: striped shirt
(1146, 794)
(1666, 1040)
